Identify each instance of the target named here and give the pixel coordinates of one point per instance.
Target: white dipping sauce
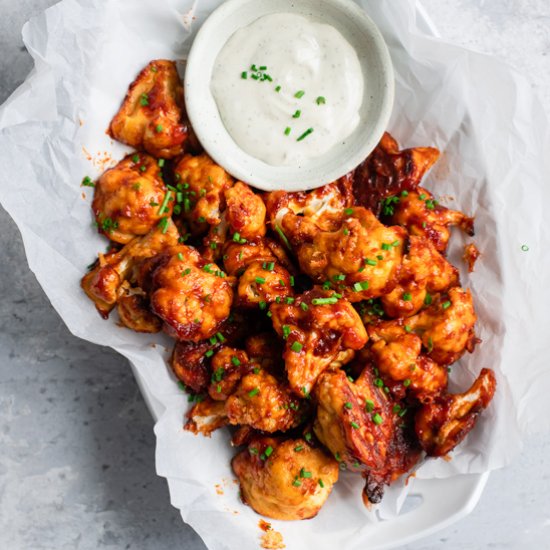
(297, 55)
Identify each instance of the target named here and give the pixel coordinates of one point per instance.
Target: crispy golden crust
(151, 116)
(129, 199)
(245, 211)
(286, 480)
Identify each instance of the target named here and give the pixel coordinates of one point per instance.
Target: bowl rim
(245, 167)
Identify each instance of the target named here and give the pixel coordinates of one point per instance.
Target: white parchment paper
(495, 165)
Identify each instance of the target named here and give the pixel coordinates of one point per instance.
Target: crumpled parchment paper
(495, 165)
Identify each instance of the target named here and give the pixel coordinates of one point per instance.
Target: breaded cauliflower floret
(397, 355)
(319, 329)
(151, 116)
(191, 296)
(103, 282)
(361, 260)
(287, 480)
(263, 283)
(264, 403)
(205, 184)
(421, 215)
(131, 198)
(323, 208)
(228, 366)
(245, 211)
(423, 271)
(447, 326)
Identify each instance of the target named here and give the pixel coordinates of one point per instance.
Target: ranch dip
(288, 89)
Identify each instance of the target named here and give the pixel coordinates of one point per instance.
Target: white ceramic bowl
(352, 22)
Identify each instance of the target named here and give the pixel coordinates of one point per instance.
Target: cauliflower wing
(397, 355)
(191, 296)
(447, 326)
(388, 171)
(228, 366)
(102, 283)
(262, 402)
(423, 270)
(444, 423)
(131, 198)
(422, 215)
(286, 480)
(361, 260)
(245, 211)
(318, 329)
(363, 429)
(151, 116)
(205, 184)
(263, 283)
(323, 207)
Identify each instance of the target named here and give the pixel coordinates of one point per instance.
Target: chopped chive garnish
(235, 361)
(385, 246)
(144, 100)
(369, 405)
(161, 163)
(428, 299)
(324, 301)
(422, 197)
(283, 236)
(254, 392)
(320, 100)
(524, 248)
(354, 425)
(305, 134)
(296, 482)
(370, 262)
(287, 130)
(209, 353)
(262, 304)
(348, 211)
(407, 297)
(163, 207)
(277, 89)
(407, 382)
(135, 158)
(304, 473)
(289, 300)
(298, 448)
(260, 280)
(180, 256)
(244, 75)
(377, 419)
(186, 272)
(163, 224)
(348, 405)
(307, 437)
(296, 347)
(299, 94)
(408, 328)
(304, 306)
(297, 113)
(339, 277)
(359, 286)
(159, 128)
(87, 182)
(321, 484)
(286, 331)
(263, 68)
(221, 337)
(213, 246)
(446, 304)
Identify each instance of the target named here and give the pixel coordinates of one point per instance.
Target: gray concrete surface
(76, 441)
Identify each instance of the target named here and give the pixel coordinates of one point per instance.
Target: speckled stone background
(76, 440)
